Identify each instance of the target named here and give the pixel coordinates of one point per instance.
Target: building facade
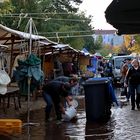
(109, 37)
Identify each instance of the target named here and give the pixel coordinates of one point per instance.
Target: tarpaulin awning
(124, 15)
(11, 37)
(85, 52)
(63, 47)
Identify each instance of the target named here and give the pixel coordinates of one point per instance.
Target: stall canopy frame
(13, 38)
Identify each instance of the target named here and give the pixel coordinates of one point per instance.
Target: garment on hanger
(29, 68)
(18, 57)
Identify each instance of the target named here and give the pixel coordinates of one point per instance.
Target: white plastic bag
(3, 89)
(4, 77)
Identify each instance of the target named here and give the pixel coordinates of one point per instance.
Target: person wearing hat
(53, 92)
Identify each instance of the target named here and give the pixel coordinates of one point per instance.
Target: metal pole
(30, 30)
(29, 83)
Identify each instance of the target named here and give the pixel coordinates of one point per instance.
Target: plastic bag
(4, 77)
(3, 89)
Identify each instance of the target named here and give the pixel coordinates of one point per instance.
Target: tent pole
(29, 84)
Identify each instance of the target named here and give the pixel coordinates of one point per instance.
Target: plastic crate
(10, 126)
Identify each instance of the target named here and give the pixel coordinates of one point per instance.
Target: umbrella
(124, 15)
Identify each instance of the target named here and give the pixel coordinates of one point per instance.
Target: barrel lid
(96, 81)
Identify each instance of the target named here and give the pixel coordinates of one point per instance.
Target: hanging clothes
(18, 57)
(30, 68)
(15, 64)
(58, 68)
(67, 67)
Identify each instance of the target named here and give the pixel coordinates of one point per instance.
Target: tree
(105, 50)
(5, 8)
(58, 20)
(116, 49)
(135, 44)
(132, 43)
(98, 44)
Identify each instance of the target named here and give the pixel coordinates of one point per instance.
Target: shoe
(48, 119)
(133, 108)
(58, 122)
(138, 107)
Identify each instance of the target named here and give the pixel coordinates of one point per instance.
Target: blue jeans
(49, 103)
(50, 100)
(134, 90)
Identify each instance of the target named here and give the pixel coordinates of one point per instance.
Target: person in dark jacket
(133, 78)
(53, 91)
(62, 79)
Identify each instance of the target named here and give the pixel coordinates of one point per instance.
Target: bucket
(70, 113)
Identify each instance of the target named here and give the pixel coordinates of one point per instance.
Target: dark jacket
(133, 76)
(62, 79)
(54, 89)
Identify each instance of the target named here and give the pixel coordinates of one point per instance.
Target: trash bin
(97, 99)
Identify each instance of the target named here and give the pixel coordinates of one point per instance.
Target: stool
(11, 92)
(2, 100)
(15, 95)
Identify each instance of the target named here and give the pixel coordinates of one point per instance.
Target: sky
(96, 8)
